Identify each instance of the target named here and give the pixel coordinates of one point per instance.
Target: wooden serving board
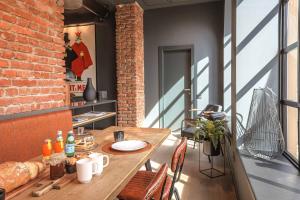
(40, 182)
(28, 185)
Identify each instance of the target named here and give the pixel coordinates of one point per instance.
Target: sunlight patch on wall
(257, 46)
(202, 97)
(243, 104)
(250, 13)
(151, 120)
(256, 55)
(227, 73)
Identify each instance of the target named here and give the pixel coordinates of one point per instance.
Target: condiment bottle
(70, 145)
(59, 144)
(47, 149)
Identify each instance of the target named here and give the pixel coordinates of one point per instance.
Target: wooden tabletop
(114, 177)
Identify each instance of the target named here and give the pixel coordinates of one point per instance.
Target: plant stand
(212, 172)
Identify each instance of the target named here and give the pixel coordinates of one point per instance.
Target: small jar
(57, 165)
(71, 165)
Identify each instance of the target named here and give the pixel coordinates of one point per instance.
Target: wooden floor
(194, 185)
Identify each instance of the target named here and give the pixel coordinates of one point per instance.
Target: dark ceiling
(91, 11)
(97, 10)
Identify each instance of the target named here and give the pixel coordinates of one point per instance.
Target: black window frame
(284, 50)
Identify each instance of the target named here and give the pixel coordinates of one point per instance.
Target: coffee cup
(98, 162)
(119, 136)
(2, 194)
(84, 169)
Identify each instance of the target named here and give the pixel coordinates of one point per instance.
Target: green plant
(213, 131)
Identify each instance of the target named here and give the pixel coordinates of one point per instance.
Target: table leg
(148, 166)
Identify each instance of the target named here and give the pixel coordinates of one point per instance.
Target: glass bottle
(70, 145)
(47, 149)
(59, 144)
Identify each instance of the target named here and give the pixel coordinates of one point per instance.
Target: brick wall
(31, 52)
(130, 64)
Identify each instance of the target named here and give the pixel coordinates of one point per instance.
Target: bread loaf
(15, 174)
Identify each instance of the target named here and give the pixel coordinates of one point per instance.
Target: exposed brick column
(130, 64)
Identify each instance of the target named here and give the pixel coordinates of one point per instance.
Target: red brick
(9, 73)
(5, 82)
(24, 82)
(5, 25)
(42, 52)
(24, 74)
(5, 8)
(12, 92)
(46, 68)
(13, 109)
(4, 63)
(8, 36)
(21, 65)
(21, 56)
(26, 108)
(3, 44)
(7, 55)
(5, 101)
(2, 91)
(9, 18)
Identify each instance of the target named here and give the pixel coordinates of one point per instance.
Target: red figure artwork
(83, 61)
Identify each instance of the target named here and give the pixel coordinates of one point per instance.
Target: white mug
(84, 170)
(98, 162)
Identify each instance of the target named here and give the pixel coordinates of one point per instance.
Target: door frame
(161, 51)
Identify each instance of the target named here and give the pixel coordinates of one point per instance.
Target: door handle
(187, 90)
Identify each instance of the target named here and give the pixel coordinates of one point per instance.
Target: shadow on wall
(199, 100)
(257, 52)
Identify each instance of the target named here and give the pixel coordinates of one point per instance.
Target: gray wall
(106, 56)
(200, 25)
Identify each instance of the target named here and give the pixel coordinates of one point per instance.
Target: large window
(290, 77)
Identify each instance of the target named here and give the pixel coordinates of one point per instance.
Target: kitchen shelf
(91, 119)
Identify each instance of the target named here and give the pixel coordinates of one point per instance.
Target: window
(292, 21)
(292, 75)
(290, 78)
(292, 131)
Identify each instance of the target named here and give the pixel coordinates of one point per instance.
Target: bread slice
(33, 169)
(40, 165)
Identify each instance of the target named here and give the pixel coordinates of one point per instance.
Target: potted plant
(211, 132)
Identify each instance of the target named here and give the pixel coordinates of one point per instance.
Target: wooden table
(114, 177)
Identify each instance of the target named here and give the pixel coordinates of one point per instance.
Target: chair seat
(134, 190)
(167, 188)
(188, 132)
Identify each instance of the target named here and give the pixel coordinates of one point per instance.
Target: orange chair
(145, 185)
(176, 167)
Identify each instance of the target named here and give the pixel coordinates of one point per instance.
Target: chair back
(179, 154)
(177, 163)
(154, 190)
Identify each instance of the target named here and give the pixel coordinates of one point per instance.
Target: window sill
(274, 179)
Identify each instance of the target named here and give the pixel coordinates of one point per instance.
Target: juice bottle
(47, 149)
(70, 145)
(59, 144)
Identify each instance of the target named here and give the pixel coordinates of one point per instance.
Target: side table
(212, 172)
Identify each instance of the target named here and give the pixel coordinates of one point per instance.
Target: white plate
(129, 145)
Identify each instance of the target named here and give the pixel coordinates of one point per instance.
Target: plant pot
(89, 94)
(209, 149)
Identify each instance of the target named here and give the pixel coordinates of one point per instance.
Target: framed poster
(80, 57)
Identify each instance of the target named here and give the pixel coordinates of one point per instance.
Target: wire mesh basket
(263, 136)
